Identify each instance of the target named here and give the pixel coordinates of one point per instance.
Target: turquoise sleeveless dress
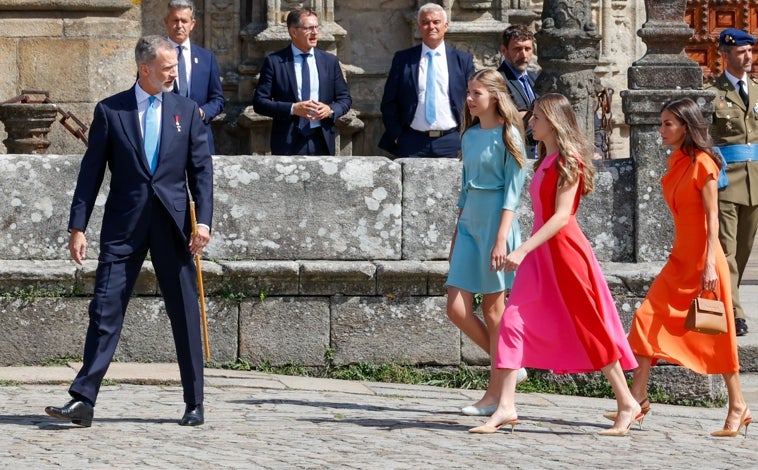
(491, 182)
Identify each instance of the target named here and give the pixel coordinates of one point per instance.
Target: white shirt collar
(733, 80)
(439, 50)
(185, 44)
(296, 52)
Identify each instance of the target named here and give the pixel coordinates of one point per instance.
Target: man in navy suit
(422, 105)
(155, 146)
(304, 106)
(198, 76)
(517, 49)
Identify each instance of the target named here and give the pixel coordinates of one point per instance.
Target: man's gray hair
(181, 4)
(428, 7)
(147, 48)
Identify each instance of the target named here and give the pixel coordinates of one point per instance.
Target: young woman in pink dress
(560, 314)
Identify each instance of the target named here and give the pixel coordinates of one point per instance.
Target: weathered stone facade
(348, 253)
(82, 51)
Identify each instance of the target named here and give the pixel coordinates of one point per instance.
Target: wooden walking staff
(201, 292)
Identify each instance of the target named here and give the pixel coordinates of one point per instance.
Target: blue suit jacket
(115, 142)
(400, 97)
(518, 95)
(277, 91)
(205, 88)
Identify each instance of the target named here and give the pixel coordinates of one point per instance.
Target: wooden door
(708, 19)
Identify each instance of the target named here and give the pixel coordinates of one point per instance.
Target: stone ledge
(249, 278)
(66, 5)
(628, 281)
(337, 277)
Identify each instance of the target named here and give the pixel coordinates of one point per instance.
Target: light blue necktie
(183, 88)
(431, 91)
(151, 134)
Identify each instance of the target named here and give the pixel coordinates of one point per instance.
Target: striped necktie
(182, 72)
(305, 91)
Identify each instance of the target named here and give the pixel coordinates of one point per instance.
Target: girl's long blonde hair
(494, 83)
(575, 153)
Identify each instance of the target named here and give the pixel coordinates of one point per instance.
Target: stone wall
(307, 254)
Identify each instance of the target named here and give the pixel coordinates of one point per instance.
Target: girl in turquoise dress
(487, 230)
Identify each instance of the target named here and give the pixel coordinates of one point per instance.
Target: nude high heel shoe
(645, 409)
(486, 429)
(745, 421)
(621, 432)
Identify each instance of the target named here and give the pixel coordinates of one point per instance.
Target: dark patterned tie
(743, 93)
(527, 88)
(182, 78)
(305, 91)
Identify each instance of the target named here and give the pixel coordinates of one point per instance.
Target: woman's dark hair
(696, 134)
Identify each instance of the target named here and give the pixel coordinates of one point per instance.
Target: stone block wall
(308, 255)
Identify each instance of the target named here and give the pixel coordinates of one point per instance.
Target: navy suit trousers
(419, 145)
(114, 282)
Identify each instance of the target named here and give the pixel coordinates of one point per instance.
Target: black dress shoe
(740, 326)
(193, 416)
(76, 411)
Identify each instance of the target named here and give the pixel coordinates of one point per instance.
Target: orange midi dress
(657, 330)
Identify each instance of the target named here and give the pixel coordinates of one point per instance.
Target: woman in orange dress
(696, 263)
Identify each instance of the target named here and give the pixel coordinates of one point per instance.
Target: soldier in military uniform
(735, 131)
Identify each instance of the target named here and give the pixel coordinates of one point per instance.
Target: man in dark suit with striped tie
(517, 49)
(155, 146)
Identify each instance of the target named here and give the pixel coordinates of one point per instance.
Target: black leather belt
(435, 134)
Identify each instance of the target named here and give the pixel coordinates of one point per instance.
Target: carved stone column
(662, 74)
(569, 47)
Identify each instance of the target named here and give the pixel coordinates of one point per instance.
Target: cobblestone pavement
(255, 420)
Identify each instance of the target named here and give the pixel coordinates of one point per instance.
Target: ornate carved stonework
(663, 74)
(569, 47)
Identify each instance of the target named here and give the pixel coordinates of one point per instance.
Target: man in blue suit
(155, 146)
(425, 92)
(198, 75)
(302, 88)
(517, 48)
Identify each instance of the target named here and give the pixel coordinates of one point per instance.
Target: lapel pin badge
(195, 59)
(178, 124)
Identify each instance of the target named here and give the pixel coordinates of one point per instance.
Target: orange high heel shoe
(645, 409)
(745, 421)
(486, 429)
(621, 432)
